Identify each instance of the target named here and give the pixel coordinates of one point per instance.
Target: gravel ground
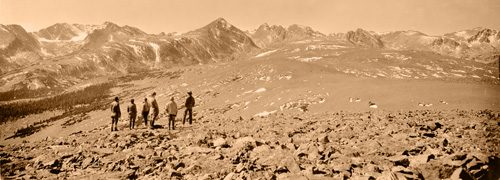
(421, 144)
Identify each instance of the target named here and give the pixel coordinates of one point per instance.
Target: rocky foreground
(420, 144)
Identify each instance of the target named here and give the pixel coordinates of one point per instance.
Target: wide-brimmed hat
(189, 92)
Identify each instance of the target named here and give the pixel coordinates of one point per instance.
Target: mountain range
(65, 54)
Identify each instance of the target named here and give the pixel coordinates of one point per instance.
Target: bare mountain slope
(17, 48)
(478, 44)
(267, 35)
(364, 38)
(111, 49)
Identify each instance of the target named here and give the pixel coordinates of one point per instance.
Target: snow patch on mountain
(265, 113)
(306, 59)
(324, 47)
(310, 59)
(462, 34)
(156, 48)
(137, 49)
(49, 40)
(260, 90)
(266, 53)
(3, 29)
(80, 37)
(44, 52)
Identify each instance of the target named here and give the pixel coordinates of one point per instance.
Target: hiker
(189, 108)
(145, 111)
(132, 113)
(156, 109)
(171, 110)
(115, 109)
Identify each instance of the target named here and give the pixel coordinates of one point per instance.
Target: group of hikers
(148, 104)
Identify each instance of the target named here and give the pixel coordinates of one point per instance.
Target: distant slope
(267, 35)
(62, 38)
(481, 45)
(364, 38)
(17, 48)
(65, 54)
(77, 52)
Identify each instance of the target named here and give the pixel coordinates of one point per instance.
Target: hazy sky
(153, 16)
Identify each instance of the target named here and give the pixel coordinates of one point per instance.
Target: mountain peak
(267, 27)
(109, 24)
(484, 35)
(264, 26)
(413, 32)
(479, 28)
(222, 22)
(219, 23)
(299, 27)
(60, 32)
(361, 30)
(58, 26)
(61, 24)
(362, 37)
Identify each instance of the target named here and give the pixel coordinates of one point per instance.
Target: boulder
(308, 150)
(193, 169)
(175, 174)
(321, 169)
(177, 165)
(220, 142)
(291, 165)
(86, 162)
(130, 174)
(323, 138)
(420, 159)
(245, 143)
(230, 176)
(429, 134)
(240, 167)
(206, 177)
(432, 126)
(460, 174)
(414, 151)
(217, 157)
(405, 173)
(281, 169)
(147, 170)
(341, 168)
(55, 171)
(400, 160)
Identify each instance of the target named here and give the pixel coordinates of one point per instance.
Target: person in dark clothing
(132, 113)
(145, 111)
(189, 108)
(156, 109)
(116, 113)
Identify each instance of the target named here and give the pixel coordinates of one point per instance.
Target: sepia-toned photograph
(250, 89)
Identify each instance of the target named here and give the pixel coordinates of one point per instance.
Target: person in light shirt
(171, 110)
(116, 114)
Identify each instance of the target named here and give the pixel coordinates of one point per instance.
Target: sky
(433, 17)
